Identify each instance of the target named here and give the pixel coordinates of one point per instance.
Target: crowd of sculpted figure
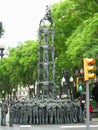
(44, 111)
(4, 111)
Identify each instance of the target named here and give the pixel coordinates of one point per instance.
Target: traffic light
(77, 83)
(89, 68)
(79, 86)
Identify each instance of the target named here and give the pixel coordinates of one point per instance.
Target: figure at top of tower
(47, 19)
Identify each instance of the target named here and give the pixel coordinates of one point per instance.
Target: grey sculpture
(35, 113)
(49, 116)
(11, 114)
(45, 108)
(46, 66)
(4, 111)
(44, 111)
(30, 114)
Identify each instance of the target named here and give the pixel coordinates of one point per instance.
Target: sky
(21, 19)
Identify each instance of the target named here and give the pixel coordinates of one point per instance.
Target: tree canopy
(76, 31)
(19, 68)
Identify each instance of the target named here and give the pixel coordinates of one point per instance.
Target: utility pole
(89, 68)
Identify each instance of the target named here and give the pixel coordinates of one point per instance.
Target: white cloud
(21, 19)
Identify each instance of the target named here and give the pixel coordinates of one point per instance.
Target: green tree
(68, 16)
(83, 42)
(20, 67)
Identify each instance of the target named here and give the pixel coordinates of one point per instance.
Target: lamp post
(31, 90)
(13, 93)
(35, 91)
(66, 74)
(71, 87)
(82, 72)
(3, 95)
(1, 52)
(62, 85)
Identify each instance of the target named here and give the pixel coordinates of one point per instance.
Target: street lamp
(1, 52)
(13, 93)
(2, 48)
(71, 87)
(81, 72)
(71, 79)
(64, 85)
(35, 91)
(77, 72)
(62, 81)
(66, 74)
(3, 95)
(31, 90)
